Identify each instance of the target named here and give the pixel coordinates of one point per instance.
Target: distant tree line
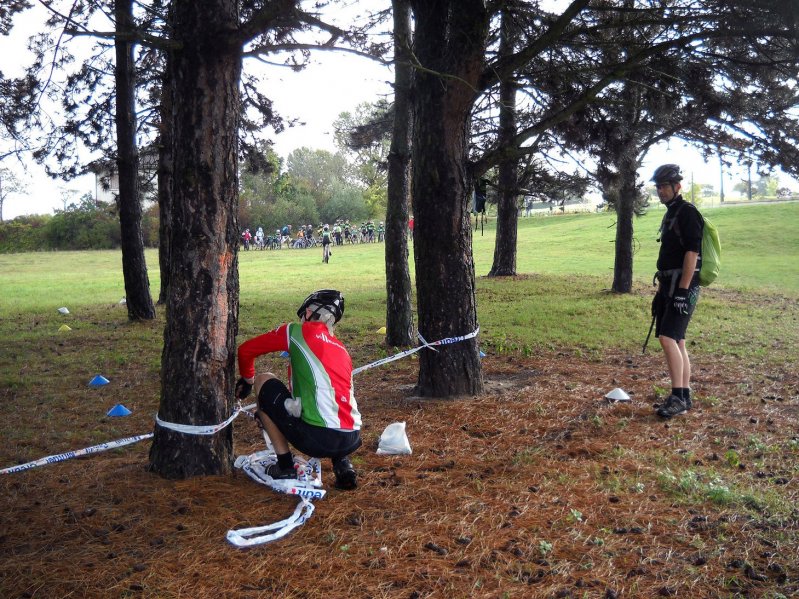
(81, 227)
(310, 186)
(313, 186)
(318, 186)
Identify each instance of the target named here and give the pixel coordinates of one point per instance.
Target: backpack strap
(675, 226)
(668, 279)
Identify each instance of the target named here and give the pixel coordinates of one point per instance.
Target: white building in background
(106, 177)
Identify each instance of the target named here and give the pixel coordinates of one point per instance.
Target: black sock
(285, 461)
(680, 392)
(686, 393)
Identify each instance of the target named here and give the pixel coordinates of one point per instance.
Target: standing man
(678, 267)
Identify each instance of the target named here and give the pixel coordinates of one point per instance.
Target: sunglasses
(660, 185)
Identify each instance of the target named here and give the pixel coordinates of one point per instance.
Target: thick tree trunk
(625, 210)
(165, 170)
(507, 208)
(134, 268)
(202, 299)
(450, 42)
(399, 313)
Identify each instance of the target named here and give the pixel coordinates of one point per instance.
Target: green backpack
(711, 250)
(711, 254)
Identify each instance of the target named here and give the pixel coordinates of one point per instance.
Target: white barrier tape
(209, 429)
(451, 340)
(259, 535)
(215, 428)
(74, 454)
(408, 352)
(308, 483)
(382, 361)
(307, 487)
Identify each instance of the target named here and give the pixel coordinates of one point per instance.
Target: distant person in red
(410, 227)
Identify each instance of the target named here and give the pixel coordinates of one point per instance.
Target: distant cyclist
(326, 240)
(347, 231)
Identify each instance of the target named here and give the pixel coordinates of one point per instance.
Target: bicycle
(325, 252)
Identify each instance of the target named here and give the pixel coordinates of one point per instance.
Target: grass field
(560, 297)
(537, 488)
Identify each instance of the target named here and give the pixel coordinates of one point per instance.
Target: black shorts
(314, 441)
(670, 323)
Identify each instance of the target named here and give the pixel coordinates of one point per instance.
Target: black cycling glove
(243, 388)
(680, 301)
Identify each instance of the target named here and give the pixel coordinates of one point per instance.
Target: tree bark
(399, 312)
(625, 210)
(134, 268)
(202, 297)
(165, 171)
(450, 42)
(508, 182)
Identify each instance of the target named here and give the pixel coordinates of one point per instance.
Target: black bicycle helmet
(329, 299)
(667, 173)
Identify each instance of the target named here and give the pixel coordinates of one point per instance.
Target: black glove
(680, 301)
(243, 388)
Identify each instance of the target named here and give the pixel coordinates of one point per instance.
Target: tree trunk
(165, 171)
(399, 313)
(202, 298)
(134, 268)
(450, 41)
(507, 208)
(625, 210)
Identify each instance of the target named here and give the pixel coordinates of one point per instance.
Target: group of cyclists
(307, 236)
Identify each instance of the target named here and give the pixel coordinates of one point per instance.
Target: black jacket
(680, 232)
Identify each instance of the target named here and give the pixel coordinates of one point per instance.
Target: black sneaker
(278, 473)
(346, 477)
(673, 406)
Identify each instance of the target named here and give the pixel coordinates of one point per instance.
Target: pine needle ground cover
(537, 488)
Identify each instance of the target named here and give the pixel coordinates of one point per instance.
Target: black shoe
(346, 477)
(673, 406)
(278, 473)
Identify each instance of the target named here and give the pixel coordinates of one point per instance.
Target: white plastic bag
(394, 441)
(293, 406)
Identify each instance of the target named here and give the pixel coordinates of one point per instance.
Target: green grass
(560, 300)
(760, 246)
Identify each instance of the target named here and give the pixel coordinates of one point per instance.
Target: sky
(333, 83)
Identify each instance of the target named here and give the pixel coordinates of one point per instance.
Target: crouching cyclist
(317, 414)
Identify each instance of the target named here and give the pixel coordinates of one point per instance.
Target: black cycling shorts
(313, 441)
(670, 323)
